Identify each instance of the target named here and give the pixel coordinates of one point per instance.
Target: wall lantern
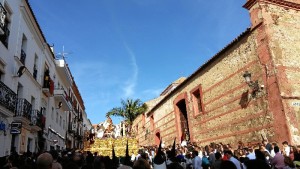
(254, 85)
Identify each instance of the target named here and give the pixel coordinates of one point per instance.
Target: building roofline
(39, 28)
(293, 5)
(205, 65)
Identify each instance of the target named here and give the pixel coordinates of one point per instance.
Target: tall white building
(36, 88)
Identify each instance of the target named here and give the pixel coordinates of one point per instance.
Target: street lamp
(254, 85)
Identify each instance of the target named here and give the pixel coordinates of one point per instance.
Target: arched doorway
(183, 125)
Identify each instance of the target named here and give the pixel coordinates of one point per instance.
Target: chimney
(256, 7)
(255, 12)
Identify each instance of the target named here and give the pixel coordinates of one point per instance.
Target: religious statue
(105, 129)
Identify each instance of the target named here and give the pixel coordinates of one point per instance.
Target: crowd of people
(264, 155)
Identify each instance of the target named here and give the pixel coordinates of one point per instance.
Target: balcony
(71, 127)
(2, 19)
(7, 97)
(37, 120)
(23, 110)
(60, 96)
(63, 71)
(48, 88)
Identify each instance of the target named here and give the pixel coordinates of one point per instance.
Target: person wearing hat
(159, 161)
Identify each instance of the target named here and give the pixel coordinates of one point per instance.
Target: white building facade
(35, 86)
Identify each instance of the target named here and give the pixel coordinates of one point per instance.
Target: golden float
(104, 146)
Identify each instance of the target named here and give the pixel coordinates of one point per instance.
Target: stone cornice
(293, 5)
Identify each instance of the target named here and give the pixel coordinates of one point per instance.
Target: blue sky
(135, 48)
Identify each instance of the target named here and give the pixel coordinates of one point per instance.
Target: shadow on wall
(244, 100)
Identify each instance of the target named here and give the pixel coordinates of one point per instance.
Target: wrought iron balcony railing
(23, 56)
(7, 97)
(4, 31)
(3, 14)
(37, 119)
(23, 109)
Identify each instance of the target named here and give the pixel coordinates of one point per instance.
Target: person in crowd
(55, 164)
(267, 145)
(89, 161)
(256, 164)
(146, 157)
(292, 152)
(159, 161)
(278, 160)
(230, 157)
(217, 163)
(286, 148)
(288, 163)
(139, 154)
(243, 160)
(175, 165)
(141, 164)
(133, 157)
(251, 154)
(297, 156)
(272, 152)
(264, 150)
(188, 160)
(226, 164)
(260, 154)
(205, 162)
(211, 155)
(196, 162)
(98, 163)
(11, 161)
(44, 161)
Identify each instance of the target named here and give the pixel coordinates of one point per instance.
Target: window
(60, 121)
(152, 122)
(35, 69)
(33, 102)
(5, 14)
(23, 50)
(197, 100)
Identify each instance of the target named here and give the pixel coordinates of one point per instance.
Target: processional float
(102, 137)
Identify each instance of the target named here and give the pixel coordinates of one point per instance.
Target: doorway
(157, 138)
(183, 119)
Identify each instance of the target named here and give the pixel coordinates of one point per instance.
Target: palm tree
(129, 110)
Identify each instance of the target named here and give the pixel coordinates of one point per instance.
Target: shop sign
(15, 128)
